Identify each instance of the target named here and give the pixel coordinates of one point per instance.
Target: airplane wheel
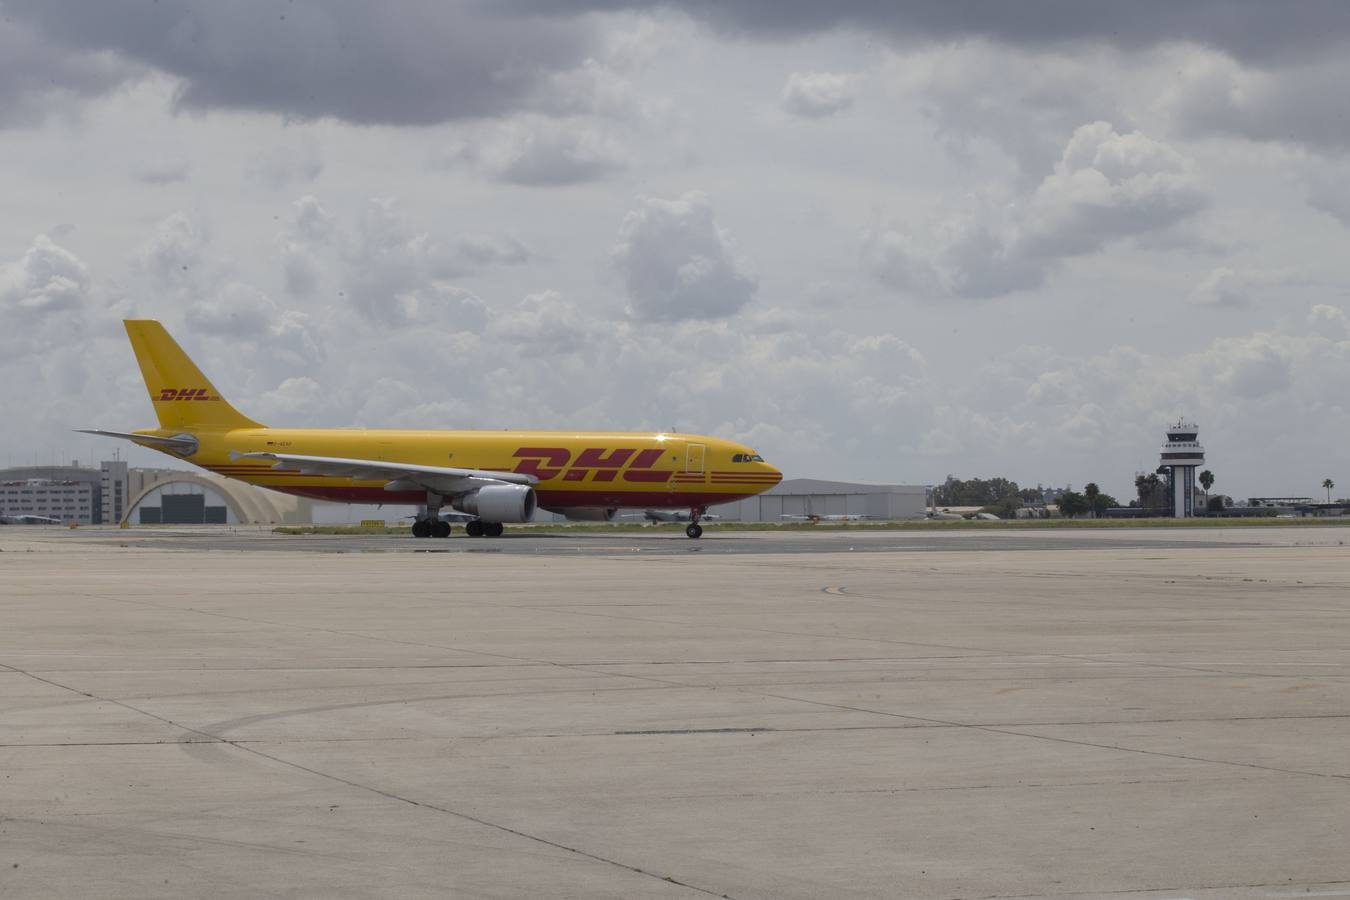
(694, 530)
(441, 529)
(474, 528)
(493, 529)
(421, 528)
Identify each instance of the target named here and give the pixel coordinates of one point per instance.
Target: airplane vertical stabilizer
(182, 396)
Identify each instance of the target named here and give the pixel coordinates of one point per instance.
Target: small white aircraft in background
(28, 520)
(668, 516)
(947, 515)
(815, 519)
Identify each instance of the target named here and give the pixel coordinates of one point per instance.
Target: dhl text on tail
(494, 477)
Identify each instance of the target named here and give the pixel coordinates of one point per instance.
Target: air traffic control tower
(1182, 455)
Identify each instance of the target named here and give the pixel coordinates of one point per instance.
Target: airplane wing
(445, 480)
(27, 519)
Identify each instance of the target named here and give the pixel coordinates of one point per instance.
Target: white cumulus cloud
(538, 152)
(46, 279)
(1106, 187)
(1228, 287)
(817, 95)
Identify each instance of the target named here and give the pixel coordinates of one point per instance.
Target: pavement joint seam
(389, 795)
(1062, 740)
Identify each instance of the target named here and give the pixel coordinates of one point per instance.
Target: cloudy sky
(877, 240)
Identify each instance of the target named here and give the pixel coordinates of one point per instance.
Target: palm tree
(1328, 484)
(1207, 482)
(1091, 492)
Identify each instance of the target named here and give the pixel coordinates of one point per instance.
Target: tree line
(1003, 497)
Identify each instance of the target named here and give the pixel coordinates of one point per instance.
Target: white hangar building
(807, 497)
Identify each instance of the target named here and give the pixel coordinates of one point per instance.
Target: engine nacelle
(587, 514)
(499, 503)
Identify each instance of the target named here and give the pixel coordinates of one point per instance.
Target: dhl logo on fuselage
(548, 463)
(166, 394)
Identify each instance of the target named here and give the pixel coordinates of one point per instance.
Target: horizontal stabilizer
(181, 444)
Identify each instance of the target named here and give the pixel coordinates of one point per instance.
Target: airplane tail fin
(182, 396)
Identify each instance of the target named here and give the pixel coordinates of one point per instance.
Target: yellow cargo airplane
(494, 476)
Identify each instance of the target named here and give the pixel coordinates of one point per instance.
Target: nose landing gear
(695, 530)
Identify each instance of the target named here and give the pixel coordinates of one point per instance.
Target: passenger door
(693, 458)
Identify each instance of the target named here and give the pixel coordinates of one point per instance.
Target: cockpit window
(747, 457)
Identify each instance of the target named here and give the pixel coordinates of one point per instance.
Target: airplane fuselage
(574, 469)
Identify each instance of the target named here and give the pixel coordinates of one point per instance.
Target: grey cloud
(390, 270)
(161, 171)
(312, 229)
(969, 260)
(294, 397)
(545, 322)
(34, 79)
(1329, 321)
(1232, 288)
(592, 88)
(1215, 94)
(285, 165)
(1254, 29)
(312, 222)
(492, 249)
(414, 63)
(817, 95)
(1254, 367)
(173, 256)
(300, 270)
(1328, 190)
(46, 279)
(236, 310)
(677, 263)
(1107, 186)
(1022, 101)
(397, 275)
(540, 153)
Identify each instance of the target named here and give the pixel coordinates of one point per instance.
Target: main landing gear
(427, 528)
(429, 522)
(479, 528)
(695, 530)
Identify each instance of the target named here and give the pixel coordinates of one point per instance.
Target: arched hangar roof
(250, 505)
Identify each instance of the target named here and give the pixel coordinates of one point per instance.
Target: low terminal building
(68, 494)
(114, 493)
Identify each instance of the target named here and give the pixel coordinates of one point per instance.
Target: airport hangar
(801, 498)
(807, 497)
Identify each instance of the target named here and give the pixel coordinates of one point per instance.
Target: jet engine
(588, 514)
(498, 503)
